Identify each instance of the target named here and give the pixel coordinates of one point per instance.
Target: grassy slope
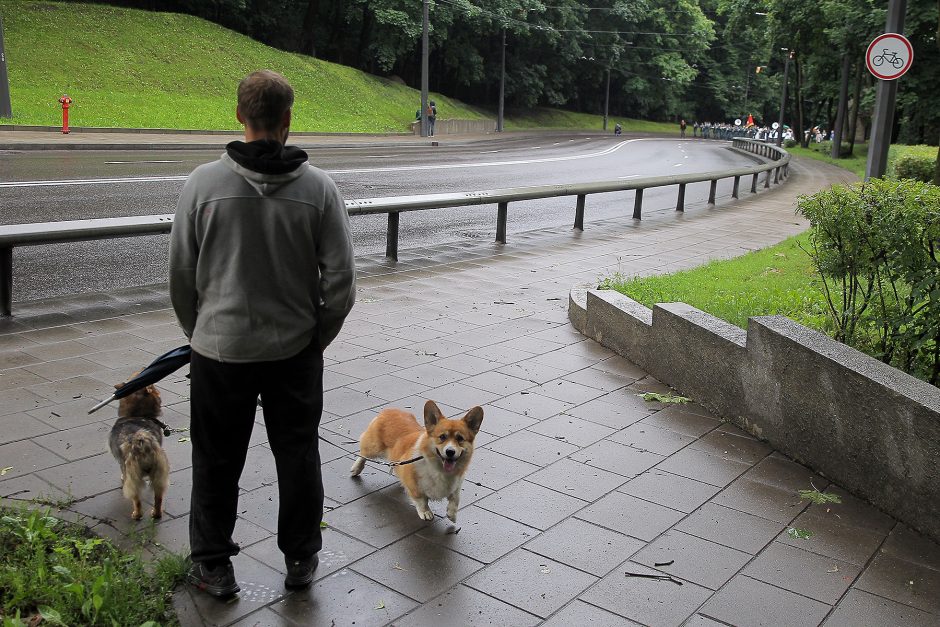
(131, 68)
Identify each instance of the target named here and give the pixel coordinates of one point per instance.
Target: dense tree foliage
(712, 60)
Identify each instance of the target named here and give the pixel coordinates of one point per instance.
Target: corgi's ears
(432, 414)
(474, 419)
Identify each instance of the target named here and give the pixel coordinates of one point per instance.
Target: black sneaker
(218, 581)
(300, 572)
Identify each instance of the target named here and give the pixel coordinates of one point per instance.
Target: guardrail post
(680, 202)
(579, 213)
(502, 214)
(767, 180)
(711, 192)
(6, 281)
(776, 175)
(734, 190)
(754, 183)
(391, 239)
(638, 205)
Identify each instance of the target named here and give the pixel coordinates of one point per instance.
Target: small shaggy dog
(136, 442)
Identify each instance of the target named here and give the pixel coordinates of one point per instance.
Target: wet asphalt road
(68, 185)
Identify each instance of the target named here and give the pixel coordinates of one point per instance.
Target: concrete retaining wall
(867, 426)
(458, 127)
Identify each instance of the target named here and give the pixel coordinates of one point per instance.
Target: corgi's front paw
(426, 514)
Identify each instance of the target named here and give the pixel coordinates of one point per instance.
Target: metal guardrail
(34, 234)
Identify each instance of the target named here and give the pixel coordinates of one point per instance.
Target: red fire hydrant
(66, 102)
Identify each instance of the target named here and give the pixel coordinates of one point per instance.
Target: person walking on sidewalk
(682, 127)
(432, 118)
(261, 279)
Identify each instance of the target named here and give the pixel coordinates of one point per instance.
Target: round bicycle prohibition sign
(889, 56)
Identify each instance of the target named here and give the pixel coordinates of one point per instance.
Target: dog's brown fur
(445, 447)
(136, 443)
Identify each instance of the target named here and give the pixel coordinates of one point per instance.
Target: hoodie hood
(266, 164)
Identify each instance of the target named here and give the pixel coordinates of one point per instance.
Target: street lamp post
(502, 86)
(607, 99)
(424, 73)
(783, 97)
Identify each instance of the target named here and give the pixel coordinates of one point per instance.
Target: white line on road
(410, 168)
(143, 161)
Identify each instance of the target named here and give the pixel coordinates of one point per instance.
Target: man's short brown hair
(263, 98)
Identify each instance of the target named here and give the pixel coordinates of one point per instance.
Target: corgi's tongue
(449, 464)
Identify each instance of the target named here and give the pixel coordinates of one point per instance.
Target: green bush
(57, 573)
(790, 143)
(916, 167)
(876, 246)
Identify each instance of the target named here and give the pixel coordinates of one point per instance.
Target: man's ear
(239, 117)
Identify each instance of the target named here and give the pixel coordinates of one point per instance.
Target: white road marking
(411, 168)
(630, 176)
(142, 161)
(484, 152)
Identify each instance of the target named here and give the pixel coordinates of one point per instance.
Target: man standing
(261, 278)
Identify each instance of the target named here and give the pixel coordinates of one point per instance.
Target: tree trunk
(366, 60)
(801, 128)
(842, 112)
(307, 45)
(853, 128)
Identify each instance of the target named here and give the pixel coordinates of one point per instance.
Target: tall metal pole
(882, 124)
(6, 111)
(747, 86)
(842, 113)
(783, 97)
(424, 73)
(502, 86)
(607, 99)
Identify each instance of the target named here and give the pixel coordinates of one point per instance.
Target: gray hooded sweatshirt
(261, 257)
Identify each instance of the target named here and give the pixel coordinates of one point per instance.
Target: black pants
(223, 399)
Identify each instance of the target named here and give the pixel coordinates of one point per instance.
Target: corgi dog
(136, 441)
(444, 447)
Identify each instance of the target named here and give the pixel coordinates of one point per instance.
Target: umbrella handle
(102, 404)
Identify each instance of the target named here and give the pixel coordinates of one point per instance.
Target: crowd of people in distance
(725, 130)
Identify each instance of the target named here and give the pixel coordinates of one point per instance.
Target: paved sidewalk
(576, 480)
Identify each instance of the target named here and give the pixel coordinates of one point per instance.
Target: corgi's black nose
(450, 453)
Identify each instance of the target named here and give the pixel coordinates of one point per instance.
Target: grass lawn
(133, 68)
(856, 163)
(776, 280)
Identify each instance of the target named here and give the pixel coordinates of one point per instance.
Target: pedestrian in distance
(432, 117)
(618, 129)
(682, 126)
(262, 277)
(694, 129)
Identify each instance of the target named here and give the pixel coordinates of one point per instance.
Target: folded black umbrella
(158, 369)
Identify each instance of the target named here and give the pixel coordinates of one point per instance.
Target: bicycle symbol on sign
(889, 56)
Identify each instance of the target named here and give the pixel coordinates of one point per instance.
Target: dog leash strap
(374, 461)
